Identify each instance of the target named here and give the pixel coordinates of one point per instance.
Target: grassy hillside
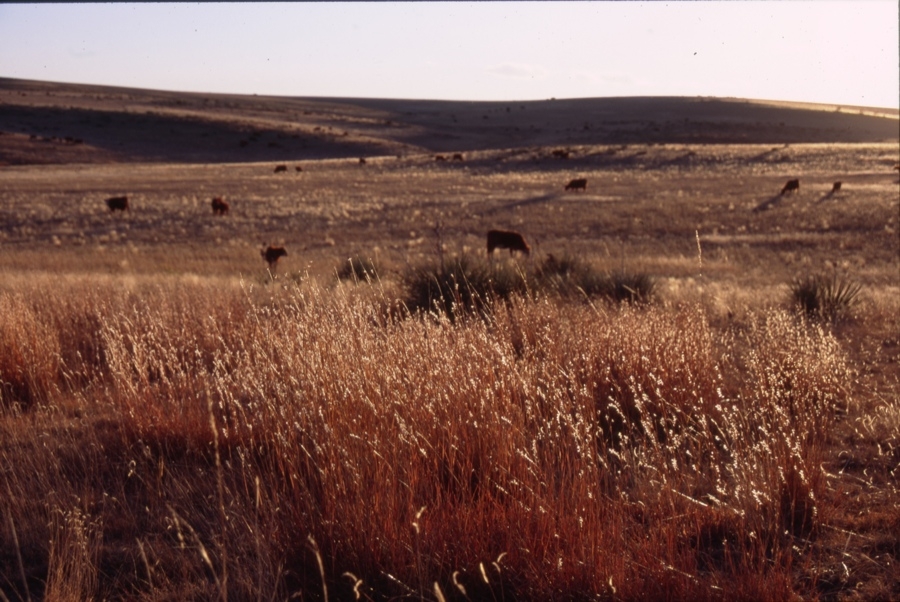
(120, 124)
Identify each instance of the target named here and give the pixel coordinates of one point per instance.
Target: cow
(117, 203)
(280, 168)
(298, 168)
(220, 206)
(458, 157)
(791, 186)
(504, 239)
(272, 255)
(577, 184)
(836, 187)
(440, 158)
(362, 161)
(561, 154)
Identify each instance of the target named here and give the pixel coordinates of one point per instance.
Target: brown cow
(577, 184)
(458, 157)
(280, 168)
(117, 203)
(836, 187)
(298, 168)
(561, 153)
(504, 239)
(220, 206)
(791, 186)
(362, 161)
(272, 255)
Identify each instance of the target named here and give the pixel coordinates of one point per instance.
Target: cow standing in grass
(791, 186)
(836, 187)
(280, 168)
(577, 184)
(505, 239)
(220, 206)
(117, 203)
(272, 255)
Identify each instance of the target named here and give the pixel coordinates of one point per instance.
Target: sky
(831, 51)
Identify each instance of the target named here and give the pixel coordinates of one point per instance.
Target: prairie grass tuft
(558, 452)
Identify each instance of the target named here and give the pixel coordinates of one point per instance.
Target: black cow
(272, 255)
(220, 206)
(458, 157)
(504, 239)
(280, 168)
(117, 203)
(791, 186)
(836, 187)
(577, 184)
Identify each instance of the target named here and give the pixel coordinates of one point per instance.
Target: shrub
(462, 284)
(823, 298)
(572, 277)
(358, 269)
(634, 287)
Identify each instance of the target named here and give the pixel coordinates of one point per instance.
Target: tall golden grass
(176, 439)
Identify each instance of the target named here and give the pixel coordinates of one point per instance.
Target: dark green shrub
(634, 287)
(572, 277)
(462, 284)
(820, 297)
(358, 269)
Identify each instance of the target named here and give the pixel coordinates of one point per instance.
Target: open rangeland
(179, 421)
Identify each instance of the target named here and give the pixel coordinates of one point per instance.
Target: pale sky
(841, 52)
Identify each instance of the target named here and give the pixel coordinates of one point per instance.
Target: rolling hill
(53, 123)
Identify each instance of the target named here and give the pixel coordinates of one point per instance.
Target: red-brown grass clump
(196, 440)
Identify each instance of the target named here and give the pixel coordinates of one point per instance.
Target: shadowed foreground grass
(202, 440)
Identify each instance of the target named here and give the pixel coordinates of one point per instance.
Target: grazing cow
(117, 203)
(791, 186)
(458, 157)
(272, 255)
(220, 206)
(836, 187)
(280, 168)
(561, 154)
(503, 239)
(577, 184)
(298, 168)
(362, 161)
(440, 158)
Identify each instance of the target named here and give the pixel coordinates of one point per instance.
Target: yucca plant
(825, 298)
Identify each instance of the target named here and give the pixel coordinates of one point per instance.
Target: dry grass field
(176, 422)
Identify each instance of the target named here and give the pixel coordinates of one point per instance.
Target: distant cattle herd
(496, 239)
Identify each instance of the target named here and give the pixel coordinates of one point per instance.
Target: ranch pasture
(176, 422)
